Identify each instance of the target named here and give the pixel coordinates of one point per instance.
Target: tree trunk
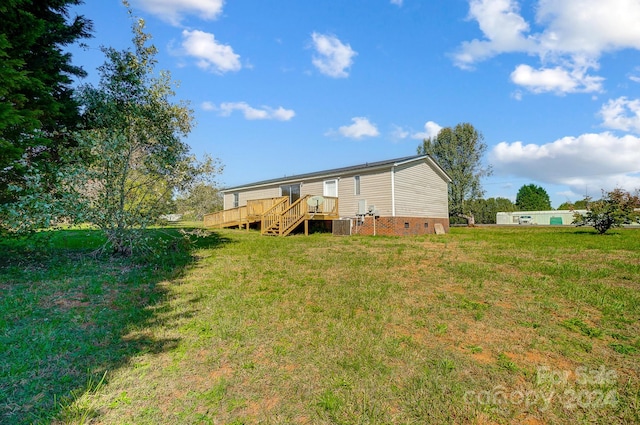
(471, 220)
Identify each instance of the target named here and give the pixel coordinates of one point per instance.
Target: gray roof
(343, 170)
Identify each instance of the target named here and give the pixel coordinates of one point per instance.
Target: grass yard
(487, 326)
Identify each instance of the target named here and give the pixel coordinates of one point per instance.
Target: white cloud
(431, 130)
(589, 27)
(210, 55)
(622, 114)
(251, 113)
(574, 35)
(173, 11)
(397, 2)
(360, 128)
(208, 106)
(503, 28)
(570, 195)
(398, 133)
(333, 58)
(593, 161)
(598, 161)
(558, 80)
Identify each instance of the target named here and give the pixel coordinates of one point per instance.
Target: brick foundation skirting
(397, 226)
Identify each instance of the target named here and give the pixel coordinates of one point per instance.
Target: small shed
(554, 218)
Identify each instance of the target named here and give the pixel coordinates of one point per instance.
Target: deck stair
(293, 216)
(271, 218)
(277, 217)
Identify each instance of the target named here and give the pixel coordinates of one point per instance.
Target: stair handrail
(271, 216)
(283, 200)
(292, 215)
(258, 207)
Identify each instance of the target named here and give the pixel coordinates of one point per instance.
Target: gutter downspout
(393, 190)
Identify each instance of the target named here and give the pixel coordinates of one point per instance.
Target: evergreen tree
(37, 110)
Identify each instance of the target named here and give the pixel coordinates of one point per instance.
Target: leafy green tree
(485, 210)
(578, 205)
(37, 109)
(459, 151)
(133, 156)
(531, 197)
(201, 199)
(615, 209)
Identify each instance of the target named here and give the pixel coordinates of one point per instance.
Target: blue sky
(288, 86)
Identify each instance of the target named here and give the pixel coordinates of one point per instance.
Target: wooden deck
(276, 216)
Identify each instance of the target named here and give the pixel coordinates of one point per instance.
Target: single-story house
(403, 196)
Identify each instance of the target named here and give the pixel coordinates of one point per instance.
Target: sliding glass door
(292, 191)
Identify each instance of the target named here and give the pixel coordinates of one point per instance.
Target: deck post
(306, 227)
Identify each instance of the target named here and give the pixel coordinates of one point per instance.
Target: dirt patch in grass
(69, 303)
(65, 301)
(482, 356)
(257, 408)
(483, 419)
(224, 371)
(526, 419)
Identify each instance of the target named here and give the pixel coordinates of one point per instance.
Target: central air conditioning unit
(341, 227)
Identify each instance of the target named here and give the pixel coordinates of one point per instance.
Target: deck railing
(221, 218)
(214, 219)
(271, 217)
(291, 216)
(258, 207)
(328, 207)
(276, 215)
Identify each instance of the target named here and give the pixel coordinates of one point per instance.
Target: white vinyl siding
(313, 187)
(244, 195)
(375, 189)
(420, 191)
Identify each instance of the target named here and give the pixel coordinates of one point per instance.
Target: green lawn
(485, 325)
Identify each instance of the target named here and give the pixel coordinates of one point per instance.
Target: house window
(236, 200)
(356, 184)
(331, 188)
(292, 191)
